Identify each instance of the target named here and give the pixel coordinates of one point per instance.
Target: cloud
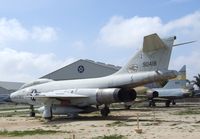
(26, 66)
(129, 32)
(43, 34)
(121, 32)
(13, 30)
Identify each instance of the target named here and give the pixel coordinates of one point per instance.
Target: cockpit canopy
(36, 82)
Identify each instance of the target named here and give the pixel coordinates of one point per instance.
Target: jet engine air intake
(107, 96)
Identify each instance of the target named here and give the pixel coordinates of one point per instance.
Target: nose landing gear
(32, 112)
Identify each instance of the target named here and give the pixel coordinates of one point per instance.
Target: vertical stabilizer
(179, 81)
(154, 55)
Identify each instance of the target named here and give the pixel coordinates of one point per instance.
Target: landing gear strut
(167, 103)
(105, 111)
(32, 112)
(152, 103)
(173, 102)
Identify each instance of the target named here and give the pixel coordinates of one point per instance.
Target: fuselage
(113, 81)
(175, 93)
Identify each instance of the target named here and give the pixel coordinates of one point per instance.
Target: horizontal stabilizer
(184, 43)
(152, 42)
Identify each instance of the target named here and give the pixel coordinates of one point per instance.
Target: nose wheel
(105, 111)
(32, 112)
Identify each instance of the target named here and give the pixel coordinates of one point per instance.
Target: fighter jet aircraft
(72, 97)
(174, 89)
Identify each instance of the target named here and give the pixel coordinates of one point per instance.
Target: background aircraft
(174, 89)
(78, 96)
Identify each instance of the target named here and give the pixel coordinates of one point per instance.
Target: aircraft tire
(152, 103)
(127, 107)
(167, 103)
(105, 111)
(173, 102)
(32, 114)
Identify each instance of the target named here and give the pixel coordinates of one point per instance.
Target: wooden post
(154, 115)
(138, 121)
(138, 130)
(73, 135)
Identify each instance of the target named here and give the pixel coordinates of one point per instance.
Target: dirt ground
(180, 121)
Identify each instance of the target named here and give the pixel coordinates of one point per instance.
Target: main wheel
(105, 111)
(32, 114)
(173, 102)
(152, 103)
(127, 107)
(167, 103)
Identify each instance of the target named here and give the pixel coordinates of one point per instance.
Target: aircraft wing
(60, 94)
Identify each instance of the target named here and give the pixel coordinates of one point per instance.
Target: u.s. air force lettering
(149, 63)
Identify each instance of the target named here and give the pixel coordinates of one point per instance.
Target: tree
(197, 80)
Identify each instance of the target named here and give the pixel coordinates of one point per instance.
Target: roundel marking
(33, 94)
(81, 69)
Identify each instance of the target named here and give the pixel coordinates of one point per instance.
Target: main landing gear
(173, 102)
(152, 103)
(167, 103)
(32, 112)
(105, 111)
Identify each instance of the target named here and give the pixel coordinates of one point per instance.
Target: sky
(40, 36)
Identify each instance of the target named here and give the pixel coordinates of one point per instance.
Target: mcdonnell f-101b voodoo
(72, 97)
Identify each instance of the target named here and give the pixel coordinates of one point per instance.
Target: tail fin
(154, 55)
(179, 81)
(181, 74)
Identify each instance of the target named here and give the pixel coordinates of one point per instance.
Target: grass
(27, 132)
(187, 112)
(115, 136)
